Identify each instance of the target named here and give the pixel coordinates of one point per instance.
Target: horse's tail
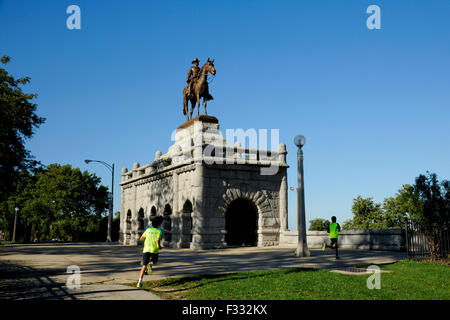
(184, 102)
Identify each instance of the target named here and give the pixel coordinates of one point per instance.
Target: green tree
(17, 122)
(16, 199)
(349, 225)
(404, 205)
(319, 224)
(426, 204)
(367, 214)
(435, 213)
(435, 198)
(61, 202)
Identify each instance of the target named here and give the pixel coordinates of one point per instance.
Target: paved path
(40, 270)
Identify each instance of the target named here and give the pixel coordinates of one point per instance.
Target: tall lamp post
(111, 198)
(302, 246)
(16, 210)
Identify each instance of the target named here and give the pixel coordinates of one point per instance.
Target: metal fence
(422, 245)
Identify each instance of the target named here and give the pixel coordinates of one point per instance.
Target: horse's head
(209, 66)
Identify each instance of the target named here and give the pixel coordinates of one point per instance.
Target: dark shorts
(147, 257)
(334, 242)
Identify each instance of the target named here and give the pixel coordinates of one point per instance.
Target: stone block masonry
(363, 239)
(210, 194)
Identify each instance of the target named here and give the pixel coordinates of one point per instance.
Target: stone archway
(153, 211)
(262, 201)
(127, 234)
(141, 221)
(186, 225)
(241, 223)
(128, 222)
(167, 224)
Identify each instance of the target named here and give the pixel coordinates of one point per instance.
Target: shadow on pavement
(24, 282)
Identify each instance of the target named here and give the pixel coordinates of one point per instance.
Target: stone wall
(226, 183)
(364, 239)
(202, 170)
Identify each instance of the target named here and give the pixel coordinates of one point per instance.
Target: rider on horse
(192, 76)
(197, 87)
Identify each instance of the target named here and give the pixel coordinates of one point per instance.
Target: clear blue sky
(374, 105)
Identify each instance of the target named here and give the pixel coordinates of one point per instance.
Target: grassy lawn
(409, 280)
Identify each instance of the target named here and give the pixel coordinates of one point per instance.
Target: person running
(162, 234)
(152, 243)
(333, 230)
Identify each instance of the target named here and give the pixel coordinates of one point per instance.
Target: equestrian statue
(197, 87)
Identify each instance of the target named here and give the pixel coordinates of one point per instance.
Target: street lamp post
(16, 210)
(302, 246)
(111, 198)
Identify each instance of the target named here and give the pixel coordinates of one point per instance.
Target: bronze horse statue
(200, 90)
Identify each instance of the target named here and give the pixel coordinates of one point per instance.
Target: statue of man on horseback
(197, 87)
(193, 74)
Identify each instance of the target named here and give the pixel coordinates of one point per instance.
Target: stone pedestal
(199, 177)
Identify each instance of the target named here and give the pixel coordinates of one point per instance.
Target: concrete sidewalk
(19, 282)
(105, 267)
(111, 292)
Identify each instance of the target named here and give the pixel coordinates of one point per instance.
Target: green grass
(409, 280)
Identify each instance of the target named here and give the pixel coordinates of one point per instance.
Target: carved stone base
(198, 185)
(202, 118)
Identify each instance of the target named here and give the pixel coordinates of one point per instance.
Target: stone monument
(210, 194)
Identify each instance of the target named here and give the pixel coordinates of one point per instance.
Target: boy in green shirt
(333, 230)
(152, 244)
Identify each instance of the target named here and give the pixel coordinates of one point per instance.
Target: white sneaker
(139, 285)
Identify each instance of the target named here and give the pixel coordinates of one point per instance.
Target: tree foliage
(58, 202)
(390, 214)
(426, 203)
(349, 225)
(17, 122)
(319, 224)
(367, 214)
(405, 205)
(434, 218)
(435, 200)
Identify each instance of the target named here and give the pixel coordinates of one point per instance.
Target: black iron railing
(430, 243)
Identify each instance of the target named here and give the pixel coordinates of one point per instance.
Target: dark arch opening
(153, 211)
(128, 221)
(187, 207)
(186, 224)
(241, 223)
(167, 223)
(141, 219)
